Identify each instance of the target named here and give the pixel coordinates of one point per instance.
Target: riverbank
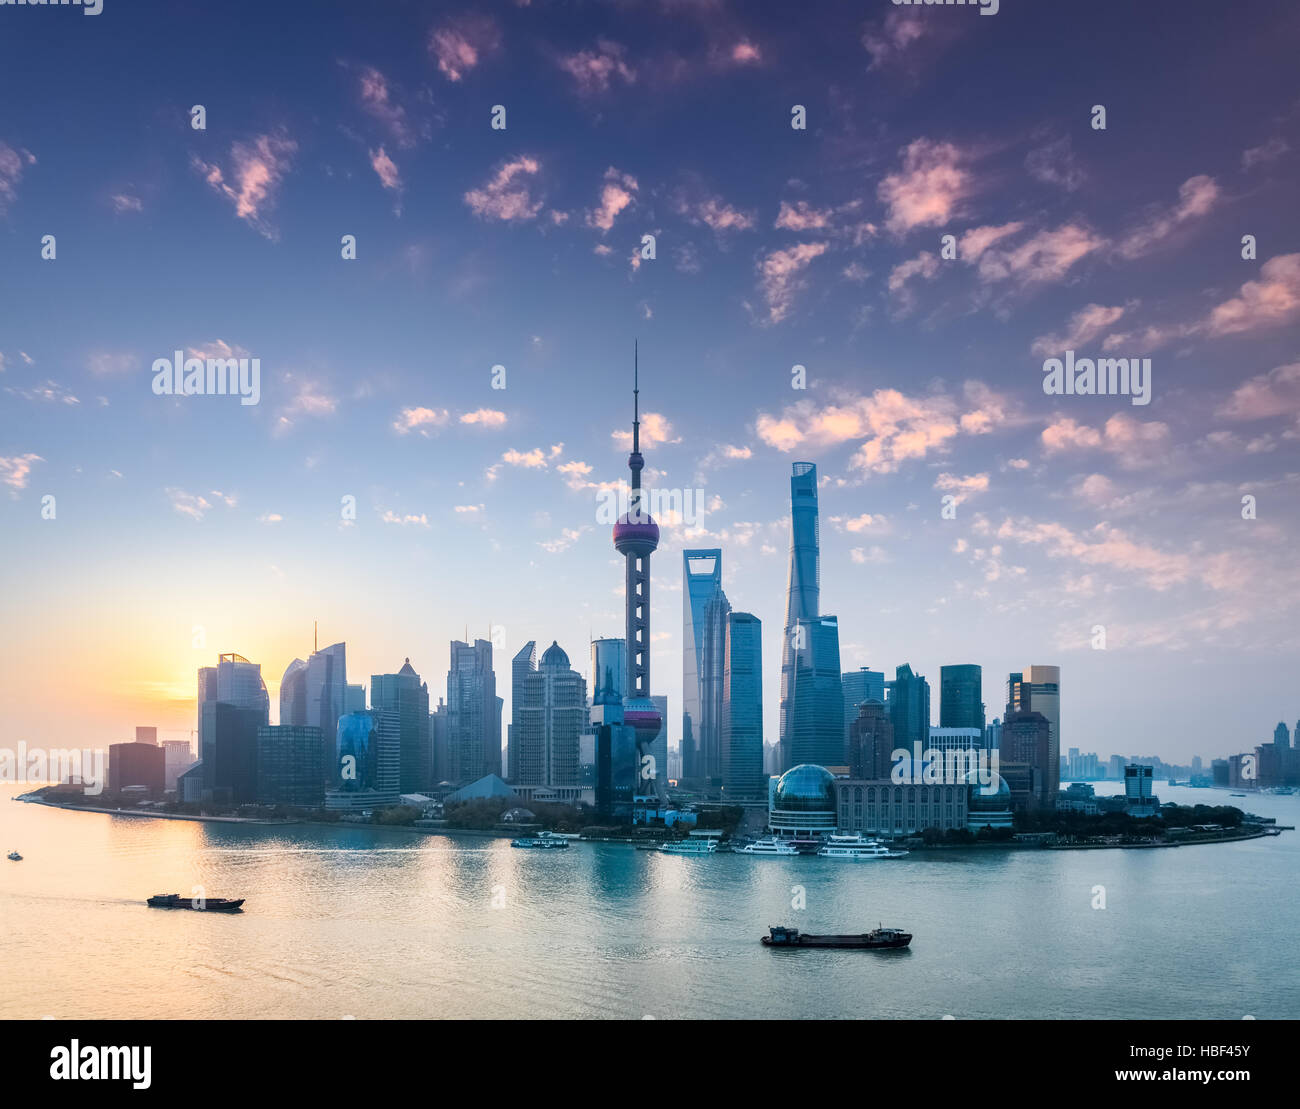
(27, 799)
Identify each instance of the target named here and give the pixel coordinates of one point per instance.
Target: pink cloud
(256, 168)
(616, 194)
(383, 165)
(461, 44)
(593, 71)
(929, 188)
(780, 276)
(506, 195)
(1276, 393)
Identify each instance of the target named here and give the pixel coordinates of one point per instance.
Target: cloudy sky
(197, 520)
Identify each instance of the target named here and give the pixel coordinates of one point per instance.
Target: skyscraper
(474, 724)
(1038, 689)
(742, 709)
(961, 701)
(909, 708)
(871, 742)
(860, 686)
(232, 704)
(551, 714)
(315, 694)
(523, 664)
(401, 701)
(289, 770)
(705, 608)
(636, 537)
(812, 698)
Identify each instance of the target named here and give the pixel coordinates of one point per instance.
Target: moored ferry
(697, 845)
(770, 845)
(856, 848)
(543, 840)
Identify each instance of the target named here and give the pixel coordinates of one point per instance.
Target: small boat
(769, 846)
(15, 856)
(855, 848)
(543, 840)
(876, 938)
(198, 904)
(1236, 795)
(696, 846)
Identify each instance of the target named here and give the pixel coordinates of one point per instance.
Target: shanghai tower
(636, 536)
(812, 703)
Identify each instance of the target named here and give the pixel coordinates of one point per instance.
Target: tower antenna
(315, 645)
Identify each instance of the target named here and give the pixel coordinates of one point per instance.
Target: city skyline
(186, 527)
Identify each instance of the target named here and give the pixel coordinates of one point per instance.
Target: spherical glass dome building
(802, 801)
(987, 805)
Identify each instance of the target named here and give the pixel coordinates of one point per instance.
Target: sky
(185, 526)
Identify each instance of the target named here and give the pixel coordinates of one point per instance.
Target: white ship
(769, 846)
(855, 848)
(696, 845)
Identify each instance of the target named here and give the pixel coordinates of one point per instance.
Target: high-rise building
(228, 738)
(636, 537)
(368, 764)
(523, 664)
(354, 698)
(993, 735)
(961, 701)
(229, 753)
(1281, 737)
(859, 686)
(440, 730)
(234, 681)
(474, 725)
(551, 714)
(812, 698)
(659, 748)
(909, 708)
(401, 701)
(704, 627)
(150, 735)
(871, 742)
(293, 693)
(178, 757)
(289, 765)
(1025, 760)
(742, 709)
(315, 694)
(136, 764)
(1038, 689)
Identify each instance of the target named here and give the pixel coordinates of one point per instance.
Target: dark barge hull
(208, 905)
(865, 940)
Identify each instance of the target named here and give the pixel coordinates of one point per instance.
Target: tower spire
(315, 644)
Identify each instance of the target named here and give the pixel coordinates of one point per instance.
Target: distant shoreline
(27, 799)
(1259, 833)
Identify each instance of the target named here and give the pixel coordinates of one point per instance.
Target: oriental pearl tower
(636, 536)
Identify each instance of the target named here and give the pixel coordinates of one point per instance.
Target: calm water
(368, 923)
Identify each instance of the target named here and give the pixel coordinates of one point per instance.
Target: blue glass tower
(812, 704)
